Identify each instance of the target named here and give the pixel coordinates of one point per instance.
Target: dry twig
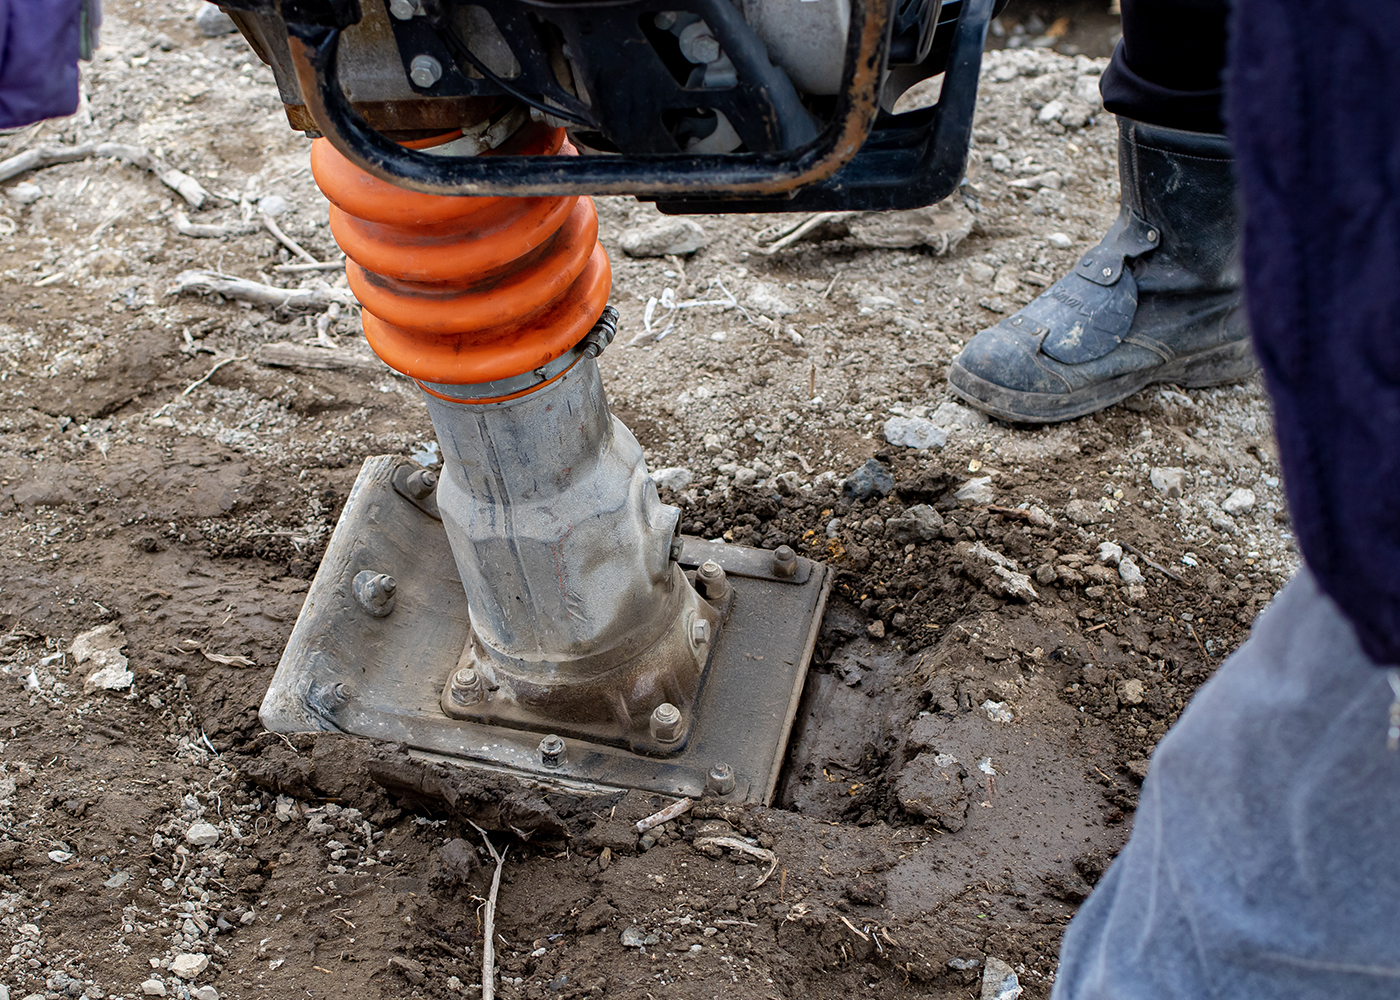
(230, 287)
(743, 847)
(287, 241)
(488, 943)
(665, 815)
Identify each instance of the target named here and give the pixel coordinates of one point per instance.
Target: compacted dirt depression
(1018, 614)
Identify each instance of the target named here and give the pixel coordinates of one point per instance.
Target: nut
(421, 483)
(713, 583)
(784, 561)
(467, 687)
(424, 70)
(666, 723)
(551, 751)
(720, 780)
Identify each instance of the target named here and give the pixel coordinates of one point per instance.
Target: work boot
(1158, 300)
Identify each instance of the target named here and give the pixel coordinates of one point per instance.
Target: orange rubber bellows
(467, 290)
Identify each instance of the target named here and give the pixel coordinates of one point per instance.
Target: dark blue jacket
(1313, 105)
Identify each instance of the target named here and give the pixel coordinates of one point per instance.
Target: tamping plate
(380, 676)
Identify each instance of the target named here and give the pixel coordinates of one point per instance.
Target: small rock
(103, 647)
(1129, 572)
(1239, 502)
(1138, 768)
(1086, 91)
(1051, 111)
(977, 492)
(876, 629)
(1171, 481)
(1110, 553)
(60, 857)
(1081, 512)
(189, 966)
(745, 476)
(788, 483)
(952, 416)
(454, 984)
(25, 193)
(871, 479)
(458, 860)
(999, 981)
(1037, 518)
(273, 205)
(205, 993)
(712, 444)
(1052, 180)
(1046, 574)
(980, 272)
(153, 988)
(765, 297)
(914, 432)
(202, 834)
(1007, 280)
(920, 523)
(212, 22)
(996, 710)
(4, 993)
(1059, 241)
(662, 237)
(673, 478)
(1130, 692)
(633, 937)
(1001, 163)
(410, 969)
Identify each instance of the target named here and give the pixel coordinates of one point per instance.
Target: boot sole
(1216, 366)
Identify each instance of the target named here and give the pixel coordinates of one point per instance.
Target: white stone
(1086, 91)
(1051, 111)
(1239, 502)
(189, 966)
(153, 988)
(1129, 572)
(1059, 241)
(1171, 481)
(767, 298)
(950, 416)
(205, 993)
(4, 993)
(673, 478)
(103, 647)
(1131, 692)
(662, 237)
(25, 193)
(273, 205)
(999, 981)
(914, 432)
(1081, 512)
(977, 492)
(1110, 553)
(996, 710)
(202, 834)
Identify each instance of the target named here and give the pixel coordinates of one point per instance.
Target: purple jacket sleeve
(1314, 111)
(39, 41)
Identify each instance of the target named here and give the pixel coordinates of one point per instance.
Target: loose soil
(967, 756)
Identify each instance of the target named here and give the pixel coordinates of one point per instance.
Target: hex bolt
(467, 687)
(713, 583)
(424, 70)
(664, 19)
(784, 561)
(375, 592)
(700, 631)
(403, 9)
(666, 723)
(1152, 236)
(421, 483)
(327, 699)
(720, 780)
(551, 751)
(698, 44)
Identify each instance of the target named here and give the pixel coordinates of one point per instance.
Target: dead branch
(47, 156)
(743, 847)
(285, 355)
(488, 944)
(665, 815)
(230, 287)
(206, 231)
(287, 241)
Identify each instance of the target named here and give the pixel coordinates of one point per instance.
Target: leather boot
(1158, 300)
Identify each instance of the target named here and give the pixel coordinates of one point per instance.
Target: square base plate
(345, 670)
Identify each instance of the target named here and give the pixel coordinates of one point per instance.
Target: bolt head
(421, 483)
(403, 9)
(552, 751)
(1152, 235)
(1107, 271)
(720, 780)
(784, 561)
(666, 723)
(425, 70)
(698, 44)
(700, 631)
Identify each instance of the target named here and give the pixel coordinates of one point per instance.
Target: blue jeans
(1264, 862)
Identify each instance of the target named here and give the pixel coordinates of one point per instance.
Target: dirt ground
(989, 683)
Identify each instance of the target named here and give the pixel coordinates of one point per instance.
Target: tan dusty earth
(969, 749)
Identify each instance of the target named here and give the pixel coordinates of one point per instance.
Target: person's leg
(1263, 861)
(1158, 299)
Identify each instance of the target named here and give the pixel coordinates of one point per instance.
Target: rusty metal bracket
(382, 676)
